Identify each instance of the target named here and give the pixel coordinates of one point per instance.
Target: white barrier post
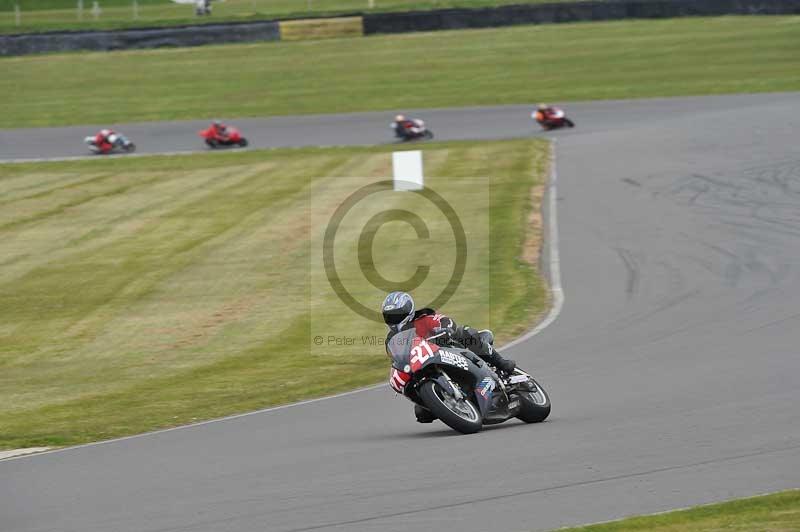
(407, 167)
(371, 4)
(135, 10)
(80, 10)
(96, 11)
(17, 14)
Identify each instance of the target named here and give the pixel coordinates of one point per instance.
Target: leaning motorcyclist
(400, 314)
(403, 126)
(106, 139)
(548, 112)
(220, 129)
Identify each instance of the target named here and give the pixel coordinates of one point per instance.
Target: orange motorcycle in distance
(551, 118)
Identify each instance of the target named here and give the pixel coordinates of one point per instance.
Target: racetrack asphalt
(673, 367)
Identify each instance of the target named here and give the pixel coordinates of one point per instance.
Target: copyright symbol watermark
(432, 218)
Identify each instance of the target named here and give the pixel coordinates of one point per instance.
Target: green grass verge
(523, 64)
(144, 293)
(779, 512)
(52, 15)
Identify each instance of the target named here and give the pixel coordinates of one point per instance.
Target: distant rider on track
(399, 315)
(549, 112)
(403, 126)
(220, 129)
(105, 140)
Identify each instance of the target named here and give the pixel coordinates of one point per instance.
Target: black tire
(431, 394)
(569, 122)
(534, 407)
(243, 142)
(211, 143)
(428, 134)
(130, 148)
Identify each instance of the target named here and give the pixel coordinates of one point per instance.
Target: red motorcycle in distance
(410, 129)
(214, 139)
(107, 142)
(552, 118)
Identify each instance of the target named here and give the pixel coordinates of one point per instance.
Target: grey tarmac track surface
(673, 367)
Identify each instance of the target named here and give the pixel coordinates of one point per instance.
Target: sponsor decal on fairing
(454, 359)
(485, 387)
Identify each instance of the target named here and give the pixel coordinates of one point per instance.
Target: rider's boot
(506, 365)
(423, 415)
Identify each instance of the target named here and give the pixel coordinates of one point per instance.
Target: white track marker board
(407, 170)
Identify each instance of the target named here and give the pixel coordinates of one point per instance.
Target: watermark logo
(367, 238)
(366, 241)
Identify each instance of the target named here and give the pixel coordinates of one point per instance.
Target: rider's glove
(440, 333)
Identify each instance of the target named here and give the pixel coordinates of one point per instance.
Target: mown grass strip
(442, 69)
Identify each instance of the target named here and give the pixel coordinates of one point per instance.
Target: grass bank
(779, 512)
(151, 292)
(482, 67)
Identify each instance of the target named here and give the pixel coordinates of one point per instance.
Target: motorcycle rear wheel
(534, 405)
(460, 415)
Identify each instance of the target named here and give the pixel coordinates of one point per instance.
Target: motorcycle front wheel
(130, 148)
(428, 134)
(243, 143)
(460, 415)
(534, 403)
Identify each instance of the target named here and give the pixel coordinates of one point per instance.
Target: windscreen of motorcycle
(399, 348)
